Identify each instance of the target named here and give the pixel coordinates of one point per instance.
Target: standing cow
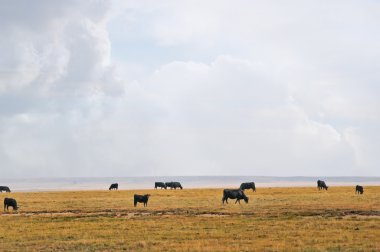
(160, 184)
(5, 189)
(9, 202)
(174, 185)
(359, 189)
(248, 185)
(141, 199)
(234, 194)
(322, 185)
(114, 186)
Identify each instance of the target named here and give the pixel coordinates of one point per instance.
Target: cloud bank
(129, 88)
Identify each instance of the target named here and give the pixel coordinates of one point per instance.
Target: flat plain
(275, 219)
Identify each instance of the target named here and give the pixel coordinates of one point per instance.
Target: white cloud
(365, 142)
(58, 48)
(249, 88)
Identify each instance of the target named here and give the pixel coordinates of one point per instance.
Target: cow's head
(246, 199)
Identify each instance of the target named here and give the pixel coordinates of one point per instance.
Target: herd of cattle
(171, 185)
(237, 194)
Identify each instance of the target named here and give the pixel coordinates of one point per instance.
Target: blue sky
(129, 88)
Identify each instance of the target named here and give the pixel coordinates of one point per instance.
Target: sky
(160, 88)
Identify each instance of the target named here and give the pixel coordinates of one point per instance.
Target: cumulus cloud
(53, 47)
(285, 89)
(230, 115)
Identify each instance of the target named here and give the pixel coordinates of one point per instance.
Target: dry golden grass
(290, 219)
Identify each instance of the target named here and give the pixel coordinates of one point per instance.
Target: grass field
(291, 219)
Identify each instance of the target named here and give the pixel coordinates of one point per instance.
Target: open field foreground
(292, 219)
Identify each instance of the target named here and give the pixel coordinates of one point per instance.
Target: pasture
(292, 219)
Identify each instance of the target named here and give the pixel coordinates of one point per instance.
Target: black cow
(359, 189)
(248, 185)
(5, 189)
(234, 194)
(174, 185)
(114, 186)
(10, 202)
(322, 185)
(142, 199)
(160, 184)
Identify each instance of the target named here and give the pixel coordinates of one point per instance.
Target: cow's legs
(224, 199)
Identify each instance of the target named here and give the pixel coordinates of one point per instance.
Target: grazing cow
(10, 202)
(160, 184)
(359, 189)
(322, 185)
(5, 189)
(234, 194)
(114, 186)
(174, 185)
(248, 185)
(142, 199)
